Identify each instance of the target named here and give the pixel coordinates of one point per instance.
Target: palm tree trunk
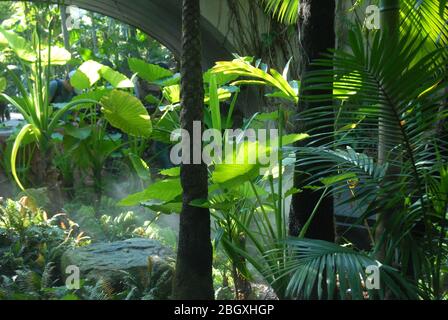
(317, 35)
(193, 277)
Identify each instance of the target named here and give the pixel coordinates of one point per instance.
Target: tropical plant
(324, 270)
(365, 81)
(34, 244)
(119, 108)
(258, 73)
(42, 119)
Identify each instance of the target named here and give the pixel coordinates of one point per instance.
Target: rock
(147, 261)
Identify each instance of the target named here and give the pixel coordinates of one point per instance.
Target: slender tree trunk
(65, 34)
(193, 277)
(243, 288)
(94, 36)
(317, 35)
(388, 136)
(133, 49)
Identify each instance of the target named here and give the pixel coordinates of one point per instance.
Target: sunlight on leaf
(115, 78)
(165, 190)
(147, 71)
(127, 113)
(59, 56)
(86, 75)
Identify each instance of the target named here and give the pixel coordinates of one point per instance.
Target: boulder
(147, 261)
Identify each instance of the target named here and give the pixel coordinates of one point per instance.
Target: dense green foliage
(96, 169)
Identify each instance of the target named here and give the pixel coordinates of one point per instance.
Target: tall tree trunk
(133, 49)
(65, 34)
(388, 136)
(193, 277)
(94, 35)
(317, 35)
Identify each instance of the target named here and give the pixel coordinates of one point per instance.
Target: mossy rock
(146, 260)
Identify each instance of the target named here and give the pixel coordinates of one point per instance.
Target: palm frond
(249, 72)
(286, 11)
(323, 270)
(382, 74)
(427, 19)
(394, 83)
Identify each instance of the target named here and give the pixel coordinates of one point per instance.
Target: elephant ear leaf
(149, 72)
(125, 112)
(87, 75)
(19, 45)
(58, 56)
(115, 78)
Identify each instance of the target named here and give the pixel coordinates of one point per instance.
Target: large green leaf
(86, 75)
(115, 78)
(91, 72)
(344, 177)
(221, 78)
(127, 113)
(224, 93)
(140, 166)
(233, 175)
(165, 82)
(24, 50)
(172, 93)
(164, 190)
(238, 166)
(94, 95)
(165, 208)
(78, 133)
(19, 45)
(173, 172)
(147, 71)
(59, 56)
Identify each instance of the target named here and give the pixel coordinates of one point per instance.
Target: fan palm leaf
(334, 271)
